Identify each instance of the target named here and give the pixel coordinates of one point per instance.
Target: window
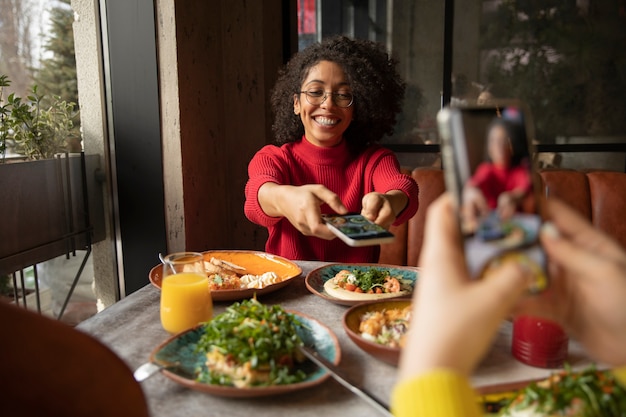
(565, 59)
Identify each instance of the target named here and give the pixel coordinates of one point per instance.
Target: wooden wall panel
(228, 55)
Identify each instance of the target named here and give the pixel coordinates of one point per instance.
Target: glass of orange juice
(185, 294)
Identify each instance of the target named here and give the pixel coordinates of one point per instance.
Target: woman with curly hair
(333, 102)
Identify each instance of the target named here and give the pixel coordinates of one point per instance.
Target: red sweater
(350, 177)
(494, 180)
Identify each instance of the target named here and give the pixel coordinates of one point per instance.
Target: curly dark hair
(376, 85)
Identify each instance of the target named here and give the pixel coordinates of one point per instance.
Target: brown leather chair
(568, 185)
(608, 202)
(50, 369)
(600, 196)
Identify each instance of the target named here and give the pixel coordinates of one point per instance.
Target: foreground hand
(301, 206)
(587, 294)
(454, 319)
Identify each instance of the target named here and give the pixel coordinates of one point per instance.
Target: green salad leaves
(252, 336)
(371, 278)
(589, 393)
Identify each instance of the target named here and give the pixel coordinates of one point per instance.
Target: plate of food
(519, 231)
(240, 274)
(350, 284)
(379, 327)
(216, 357)
(568, 392)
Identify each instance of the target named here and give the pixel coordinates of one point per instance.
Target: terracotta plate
(316, 279)
(352, 320)
(255, 262)
(180, 349)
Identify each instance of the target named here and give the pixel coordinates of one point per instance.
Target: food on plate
(259, 281)
(370, 284)
(536, 285)
(222, 281)
(219, 266)
(567, 393)
(251, 344)
(387, 327)
(506, 234)
(224, 275)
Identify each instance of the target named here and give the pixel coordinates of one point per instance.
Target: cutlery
(166, 264)
(322, 362)
(148, 369)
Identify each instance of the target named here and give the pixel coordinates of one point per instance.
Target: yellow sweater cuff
(441, 393)
(620, 374)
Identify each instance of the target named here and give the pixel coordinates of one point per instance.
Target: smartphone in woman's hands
(356, 230)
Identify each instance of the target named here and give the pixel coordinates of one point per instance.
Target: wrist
(269, 196)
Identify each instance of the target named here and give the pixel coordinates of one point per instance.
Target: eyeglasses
(317, 97)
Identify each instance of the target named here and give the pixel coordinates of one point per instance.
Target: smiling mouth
(326, 121)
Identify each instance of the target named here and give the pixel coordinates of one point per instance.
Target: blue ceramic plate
(316, 279)
(180, 349)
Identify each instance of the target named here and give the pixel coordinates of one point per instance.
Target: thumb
(334, 202)
(566, 254)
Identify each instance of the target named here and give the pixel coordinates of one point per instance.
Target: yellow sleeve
(441, 393)
(620, 374)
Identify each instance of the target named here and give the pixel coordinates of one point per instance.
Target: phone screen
(488, 167)
(356, 230)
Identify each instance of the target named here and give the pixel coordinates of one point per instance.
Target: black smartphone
(356, 230)
(488, 168)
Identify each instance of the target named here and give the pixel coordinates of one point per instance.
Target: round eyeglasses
(317, 97)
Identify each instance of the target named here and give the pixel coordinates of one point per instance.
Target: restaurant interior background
(174, 99)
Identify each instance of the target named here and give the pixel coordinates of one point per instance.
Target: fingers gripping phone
(488, 168)
(356, 230)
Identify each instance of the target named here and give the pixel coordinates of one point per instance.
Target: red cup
(539, 342)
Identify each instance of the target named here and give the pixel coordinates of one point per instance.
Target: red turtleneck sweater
(350, 177)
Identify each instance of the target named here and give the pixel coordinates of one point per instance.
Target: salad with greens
(251, 344)
(589, 393)
(371, 281)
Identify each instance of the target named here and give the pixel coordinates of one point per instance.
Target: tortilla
(334, 291)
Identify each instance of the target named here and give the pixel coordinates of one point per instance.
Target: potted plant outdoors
(43, 196)
(39, 127)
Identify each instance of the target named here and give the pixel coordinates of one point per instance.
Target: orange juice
(185, 301)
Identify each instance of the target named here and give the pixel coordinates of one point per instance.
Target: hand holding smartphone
(356, 230)
(489, 170)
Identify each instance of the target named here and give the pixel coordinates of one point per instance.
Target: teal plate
(180, 350)
(316, 279)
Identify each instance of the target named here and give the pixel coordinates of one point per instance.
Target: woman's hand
(301, 206)
(454, 319)
(587, 294)
(383, 209)
(474, 207)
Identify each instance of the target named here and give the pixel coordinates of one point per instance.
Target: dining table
(132, 329)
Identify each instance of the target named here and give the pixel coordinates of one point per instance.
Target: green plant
(5, 286)
(38, 130)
